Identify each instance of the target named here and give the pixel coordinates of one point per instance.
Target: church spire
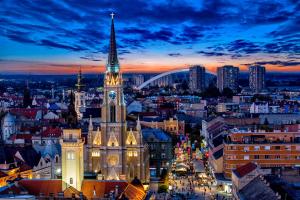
(79, 84)
(112, 62)
(91, 128)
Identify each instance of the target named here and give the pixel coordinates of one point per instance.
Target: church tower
(115, 152)
(72, 158)
(113, 116)
(80, 103)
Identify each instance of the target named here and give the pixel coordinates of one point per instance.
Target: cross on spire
(112, 15)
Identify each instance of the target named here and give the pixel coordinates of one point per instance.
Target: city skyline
(59, 36)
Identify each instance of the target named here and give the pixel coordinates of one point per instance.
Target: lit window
(135, 154)
(70, 155)
(246, 157)
(95, 154)
(267, 147)
(256, 148)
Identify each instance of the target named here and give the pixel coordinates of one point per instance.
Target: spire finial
(112, 62)
(112, 15)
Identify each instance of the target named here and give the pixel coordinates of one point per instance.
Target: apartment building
(270, 150)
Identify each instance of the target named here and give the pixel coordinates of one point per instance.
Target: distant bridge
(163, 75)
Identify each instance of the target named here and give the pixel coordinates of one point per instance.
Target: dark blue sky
(56, 36)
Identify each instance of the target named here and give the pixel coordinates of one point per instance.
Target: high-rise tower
(227, 77)
(257, 78)
(115, 152)
(197, 78)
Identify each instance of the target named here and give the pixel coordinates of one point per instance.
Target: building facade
(227, 77)
(72, 158)
(80, 97)
(257, 78)
(197, 78)
(270, 150)
(114, 152)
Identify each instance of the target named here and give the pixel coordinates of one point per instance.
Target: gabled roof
(245, 169)
(257, 189)
(28, 153)
(100, 188)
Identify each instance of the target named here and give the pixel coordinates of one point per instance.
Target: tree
(162, 188)
(227, 92)
(211, 92)
(71, 117)
(26, 98)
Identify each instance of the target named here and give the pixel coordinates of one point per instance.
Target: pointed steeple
(112, 62)
(138, 124)
(91, 124)
(79, 85)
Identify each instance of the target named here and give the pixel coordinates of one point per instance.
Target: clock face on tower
(112, 95)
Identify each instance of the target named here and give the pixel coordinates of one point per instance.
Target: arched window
(112, 113)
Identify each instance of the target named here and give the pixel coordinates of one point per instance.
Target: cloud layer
(213, 31)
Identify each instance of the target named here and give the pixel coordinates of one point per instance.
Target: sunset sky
(56, 36)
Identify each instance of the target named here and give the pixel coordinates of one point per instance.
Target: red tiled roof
(29, 113)
(22, 136)
(101, 187)
(35, 187)
(52, 132)
(245, 169)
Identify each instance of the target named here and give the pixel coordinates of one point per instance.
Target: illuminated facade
(114, 152)
(80, 103)
(72, 158)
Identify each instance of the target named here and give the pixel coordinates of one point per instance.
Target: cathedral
(113, 151)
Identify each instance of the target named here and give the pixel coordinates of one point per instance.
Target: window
(70, 136)
(288, 147)
(71, 180)
(163, 155)
(256, 148)
(70, 155)
(163, 146)
(256, 156)
(267, 156)
(267, 147)
(112, 113)
(277, 157)
(56, 159)
(231, 157)
(246, 149)
(277, 147)
(246, 157)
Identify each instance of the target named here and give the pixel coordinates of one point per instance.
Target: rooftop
(244, 170)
